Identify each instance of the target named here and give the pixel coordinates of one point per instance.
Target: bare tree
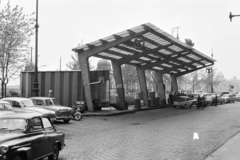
(211, 79)
(75, 65)
(130, 76)
(15, 32)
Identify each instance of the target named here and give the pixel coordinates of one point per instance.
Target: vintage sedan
(237, 96)
(19, 104)
(29, 137)
(62, 112)
(228, 98)
(183, 102)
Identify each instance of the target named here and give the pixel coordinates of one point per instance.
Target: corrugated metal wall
(66, 85)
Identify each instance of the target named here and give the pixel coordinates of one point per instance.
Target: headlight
(3, 149)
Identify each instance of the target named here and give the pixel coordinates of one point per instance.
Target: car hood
(6, 136)
(2, 112)
(38, 109)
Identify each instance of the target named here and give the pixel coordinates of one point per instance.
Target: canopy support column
(161, 89)
(143, 85)
(174, 83)
(117, 72)
(84, 65)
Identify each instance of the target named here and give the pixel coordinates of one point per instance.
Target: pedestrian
(171, 99)
(216, 100)
(50, 93)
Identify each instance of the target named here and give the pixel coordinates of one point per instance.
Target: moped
(78, 108)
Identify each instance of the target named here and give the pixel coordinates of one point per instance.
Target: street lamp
(35, 81)
(209, 70)
(231, 16)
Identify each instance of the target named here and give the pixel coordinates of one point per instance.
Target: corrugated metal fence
(66, 85)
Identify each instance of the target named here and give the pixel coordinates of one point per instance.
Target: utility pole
(60, 63)
(231, 16)
(35, 90)
(212, 75)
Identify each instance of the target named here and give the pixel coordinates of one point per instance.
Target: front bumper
(63, 117)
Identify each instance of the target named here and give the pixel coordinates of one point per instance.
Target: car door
(50, 133)
(38, 137)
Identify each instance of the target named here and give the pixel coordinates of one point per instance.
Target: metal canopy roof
(157, 50)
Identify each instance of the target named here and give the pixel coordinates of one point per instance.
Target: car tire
(78, 117)
(190, 106)
(55, 154)
(17, 157)
(66, 120)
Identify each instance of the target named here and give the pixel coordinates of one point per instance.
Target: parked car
(28, 137)
(237, 96)
(183, 102)
(228, 98)
(62, 112)
(225, 92)
(19, 104)
(209, 98)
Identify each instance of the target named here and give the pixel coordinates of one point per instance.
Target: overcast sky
(66, 23)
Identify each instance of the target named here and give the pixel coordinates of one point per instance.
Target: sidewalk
(228, 151)
(110, 111)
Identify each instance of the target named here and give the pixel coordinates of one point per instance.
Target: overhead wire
(219, 41)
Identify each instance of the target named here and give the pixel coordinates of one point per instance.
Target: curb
(225, 151)
(119, 112)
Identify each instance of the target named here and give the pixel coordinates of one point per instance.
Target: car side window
(36, 124)
(16, 104)
(39, 102)
(48, 102)
(46, 123)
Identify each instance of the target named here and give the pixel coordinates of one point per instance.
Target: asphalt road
(161, 134)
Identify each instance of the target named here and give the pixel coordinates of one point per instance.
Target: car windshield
(13, 124)
(28, 103)
(55, 102)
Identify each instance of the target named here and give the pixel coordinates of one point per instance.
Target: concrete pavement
(160, 134)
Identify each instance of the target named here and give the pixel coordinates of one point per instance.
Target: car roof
(42, 98)
(21, 115)
(15, 98)
(1, 101)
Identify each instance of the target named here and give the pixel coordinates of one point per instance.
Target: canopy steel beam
(175, 68)
(154, 51)
(149, 65)
(96, 49)
(137, 55)
(189, 71)
(170, 40)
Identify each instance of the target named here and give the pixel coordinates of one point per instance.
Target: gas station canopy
(148, 47)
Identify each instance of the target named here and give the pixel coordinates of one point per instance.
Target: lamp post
(231, 16)
(35, 82)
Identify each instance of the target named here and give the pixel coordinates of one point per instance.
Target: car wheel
(55, 153)
(17, 157)
(78, 117)
(66, 120)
